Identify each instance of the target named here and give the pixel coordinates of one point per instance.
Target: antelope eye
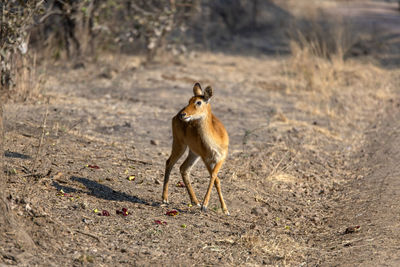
(198, 103)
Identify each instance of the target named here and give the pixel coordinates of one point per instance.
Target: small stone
(256, 211)
(78, 65)
(86, 221)
(83, 205)
(154, 142)
(28, 207)
(259, 211)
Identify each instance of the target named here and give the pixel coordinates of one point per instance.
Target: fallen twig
(89, 234)
(137, 160)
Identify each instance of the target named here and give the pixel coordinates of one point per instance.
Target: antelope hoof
(227, 213)
(165, 201)
(195, 204)
(203, 208)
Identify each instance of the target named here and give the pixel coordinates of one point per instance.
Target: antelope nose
(182, 115)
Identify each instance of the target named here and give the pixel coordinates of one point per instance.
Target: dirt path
(371, 202)
(380, 192)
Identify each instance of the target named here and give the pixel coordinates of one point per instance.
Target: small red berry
(105, 213)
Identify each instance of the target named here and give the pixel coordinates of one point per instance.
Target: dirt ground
(311, 178)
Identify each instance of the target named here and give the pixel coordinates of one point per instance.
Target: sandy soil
(311, 178)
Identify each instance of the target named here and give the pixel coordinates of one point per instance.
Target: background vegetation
(36, 31)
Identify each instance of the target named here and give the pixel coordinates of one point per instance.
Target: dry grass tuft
(283, 247)
(280, 248)
(318, 32)
(318, 44)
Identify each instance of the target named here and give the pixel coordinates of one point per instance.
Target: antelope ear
(197, 90)
(208, 93)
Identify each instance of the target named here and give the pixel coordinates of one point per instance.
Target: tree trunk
(4, 210)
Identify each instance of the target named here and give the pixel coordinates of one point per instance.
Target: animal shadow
(100, 191)
(16, 155)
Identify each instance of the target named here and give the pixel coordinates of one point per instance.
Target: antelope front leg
(213, 173)
(185, 172)
(221, 198)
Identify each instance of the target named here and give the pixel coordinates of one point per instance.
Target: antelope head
(199, 106)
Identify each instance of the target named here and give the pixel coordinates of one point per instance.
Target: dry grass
(29, 78)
